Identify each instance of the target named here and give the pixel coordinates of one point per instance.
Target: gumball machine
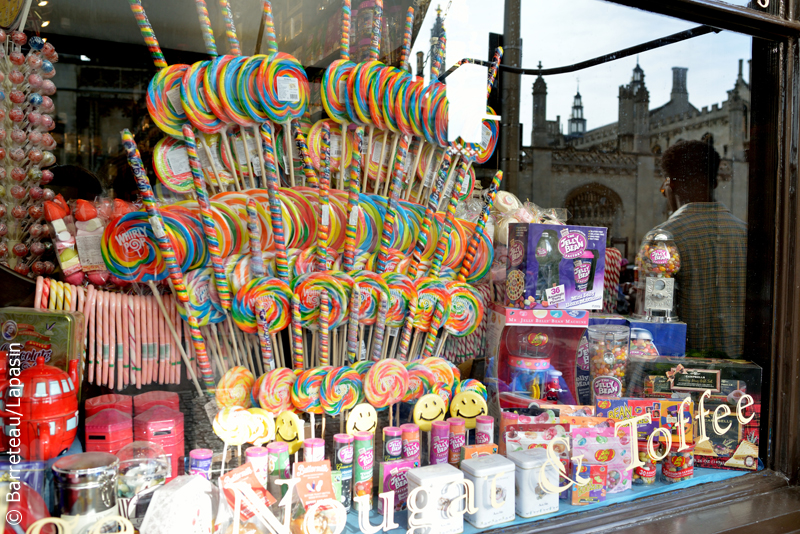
(528, 368)
(45, 408)
(657, 263)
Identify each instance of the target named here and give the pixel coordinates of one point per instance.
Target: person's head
(691, 169)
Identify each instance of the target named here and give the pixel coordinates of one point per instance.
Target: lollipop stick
(440, 347)
(377, 187)
(211, 162)
(323, 426)
(365, 165)
(421, 188)
(176, 338)
(232, 160)
(391, 158)
(341, 160)
(287, 138)
(260, 150)
(246, 144)
(232, 333)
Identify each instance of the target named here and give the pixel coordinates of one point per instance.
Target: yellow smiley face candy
(289, 429)
(362, 418)
(468, 405)
(429, 408)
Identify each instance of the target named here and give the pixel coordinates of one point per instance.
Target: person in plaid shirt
(712, 242)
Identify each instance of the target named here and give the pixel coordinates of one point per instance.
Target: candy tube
(444, 239)
(313, 450)
(205, 26)
(484, 429)
(469, 257)
(364, 459)
(278, 462)
(230, 29)
(433, 203)
(148, 34)
(405, 50)
(200, 462)
(324, 206)
(343, 458)
(458, 438)
(411, 444)
(392, 443)
(506, 419)
(135, 161)
(353, 208)
(439, 450)
(281, 261)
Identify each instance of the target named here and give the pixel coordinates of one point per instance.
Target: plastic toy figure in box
(44, 409)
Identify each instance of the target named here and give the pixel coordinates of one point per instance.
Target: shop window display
(284, 293)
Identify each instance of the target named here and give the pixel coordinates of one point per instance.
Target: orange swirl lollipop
(386, 383)
(274, 395)
(234, 388)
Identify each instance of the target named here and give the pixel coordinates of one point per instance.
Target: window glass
(41, 389)
(55, 389)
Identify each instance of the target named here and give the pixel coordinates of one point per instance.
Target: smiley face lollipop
(429, 408)
(362, 418)
(289, 429)
(468, 405)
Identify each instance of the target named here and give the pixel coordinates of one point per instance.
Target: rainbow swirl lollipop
(164, 100)
(203, 298)
(386, 383)
(420, 381)
(274, 395)
(234, 388)
(401, 292)
(282, 87)
(373, 289)
(334, 89)
(232, 102)
(306, 390)
(277, 296)
(307, 288)
(341, 389)
(442, 370)
(466, 309)
(362, 367)
(211, 87)
(359, 89)
(430, 291)
(470, 384)
(193, 100)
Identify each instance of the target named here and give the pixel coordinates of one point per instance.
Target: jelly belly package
(56, 335)
(608, 448)
(555, 267)
(392, 477)
(594, 490)
(531, 353)
(663, 414)
(649, 340)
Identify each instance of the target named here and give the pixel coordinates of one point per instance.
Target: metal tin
(443, 484)
(116, 401)
(86, 487)
(108, 431)
(531, 499)
(493, 477)
(313, 450)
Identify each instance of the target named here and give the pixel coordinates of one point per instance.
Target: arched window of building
(594, 204)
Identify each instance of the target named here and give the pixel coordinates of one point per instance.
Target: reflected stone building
(611, 176)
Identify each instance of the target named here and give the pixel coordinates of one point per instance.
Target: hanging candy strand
(324, 329)
(205, 26)
(230, 29)
(353, 208)
(352, 327)
(472, 248)
(444, 238)
(281, 261)
(256, 261)
(147, 32)
(175, 274)
(405, 50)
(324, 205)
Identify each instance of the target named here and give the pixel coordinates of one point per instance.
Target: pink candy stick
(89, 311)
(37, 297)
(122, 335)
(112, 340)
(145, 333)
(74, 304)
(173, 349)
(98, 320)
(137, 313)
(162, 349)
(155, 354)
(176, 320)
(132, 320)
(106, 336)
(150, 341)
(127, 337)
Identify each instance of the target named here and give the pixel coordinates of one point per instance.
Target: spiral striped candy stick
(324, 206)
(256, 260)
(469, 257)
(352, 327)
(405, 336)
(433, 331)
(269, 27)
(380, 330)
(438, 57)
(230, 29)
(148, 34)
(205, 26)
(444, 239)
(281, 261)
(297, 334)
(135, 161)
(405, 51)
(352, 203)
(302, 147)
(433, 203)
(264, 341)
(498, 57)
(324, 329)
(397, 186)
(377, 21)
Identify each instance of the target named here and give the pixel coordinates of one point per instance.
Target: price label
(178, 160)
(256, 166)
(555, 295)
(241, 155)
(158, 228)
(486, 136)
(336, 147)
(342, 90)
(376, 152)
(354, 214)
(205, 162)
(326, 215)
(288, 89)
(174, 97)
(428, 176)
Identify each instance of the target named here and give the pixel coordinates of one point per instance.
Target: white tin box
(532, 499)
(493, 477)
(443, 484)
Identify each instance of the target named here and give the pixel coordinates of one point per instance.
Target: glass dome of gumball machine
(529, 363)
(657, 263)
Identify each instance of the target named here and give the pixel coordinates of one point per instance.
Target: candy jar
(642, 344)
(143, 468)
(678, 465)
(608, 359)
(646, 474)
(657, 263)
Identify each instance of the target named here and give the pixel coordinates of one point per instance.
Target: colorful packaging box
(392, 477)
(595, 490)
(605, 447)
(555, 267)
(663, 413)
(470, 452)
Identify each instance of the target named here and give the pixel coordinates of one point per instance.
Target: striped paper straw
(175, 274)
(472, 248)
(148, 34)
(353, 198)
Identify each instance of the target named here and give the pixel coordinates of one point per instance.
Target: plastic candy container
(658, 255)
(678, 466)
(645, 475)
(608, 358)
